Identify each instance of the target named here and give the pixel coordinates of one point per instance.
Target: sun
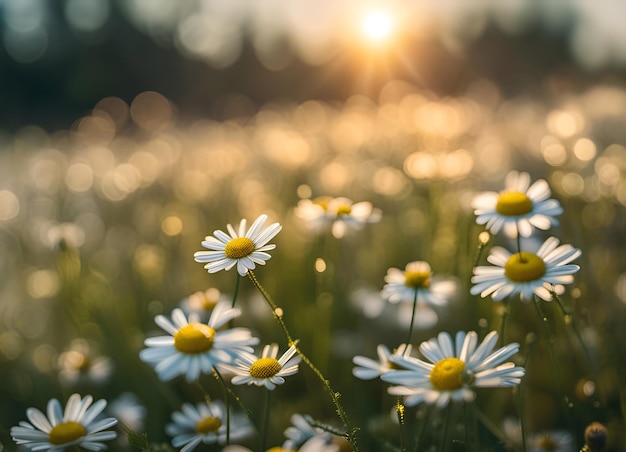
(377, 25)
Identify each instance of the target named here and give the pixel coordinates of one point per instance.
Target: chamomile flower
(203, 302)
(455, 368)
(193, 347)
(340, 213)
(244, 247)
(76, 426)
(551, 441)
(205, 423)
(416, 283)
(265, 371)
(526, 273)
(519, 208)
(417, 277)
(368, 369)
(300, 430)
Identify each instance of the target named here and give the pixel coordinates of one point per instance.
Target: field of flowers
(435, 274)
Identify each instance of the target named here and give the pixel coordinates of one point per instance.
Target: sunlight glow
(377, 25)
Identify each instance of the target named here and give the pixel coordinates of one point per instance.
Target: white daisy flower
(76, 426)
(81, 364)
(417, 277)
(203, 302)
(265, 371)
(519, 208)
(195, 347)
(455, 368)
(243, 248)
(129, 410)
(341, 213)
(526, 273)
(417, 283)
(368, 369)
(300, 430)
(551, 441)
(205, 423)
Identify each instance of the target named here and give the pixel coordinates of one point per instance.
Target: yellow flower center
(239, 247)
(547, 443)
(194, 338)
(524, 267)
(66, 432)
(265, 368)
(322, 201)
(417, 279)
(447, 374)
(208, 424)
(513, 203)
(344, 210)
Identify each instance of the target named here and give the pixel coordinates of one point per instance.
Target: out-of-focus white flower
(203, 303)
(129, 411)
(340, 213)
(417, 283)
(78, 425)
(205, 423)
(81, 364)
(368, 369)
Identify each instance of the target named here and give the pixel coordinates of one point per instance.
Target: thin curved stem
(278, 315)
(265, 420)
(408, 340)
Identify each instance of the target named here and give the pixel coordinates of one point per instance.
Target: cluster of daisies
(201, 340)
(449, 367)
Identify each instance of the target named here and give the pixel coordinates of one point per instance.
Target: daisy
(455, 368)
(242, 248)
(518, 208)
(551, 441)
(265, 371)
(300, 430)
(76, 426)
(341, 213)
(417, 277)
(203, 302)
(129, 410)
(417, 284)
(526, 273)
(205, 423)
(195, 347)
(368, 369)
(81, 364)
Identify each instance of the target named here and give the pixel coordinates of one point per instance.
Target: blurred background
(59, 58)
(131, 129)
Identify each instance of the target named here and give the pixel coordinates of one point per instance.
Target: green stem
(469, 427)
(227, 403)
(277, 312)
(266, 419)
(495, 431)
(519, 248)
(408, 340)
(520, 409)
(236, 291)
(422, 429)
(505, 315)
(239, 402)
(446, 428)
(235, 294)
